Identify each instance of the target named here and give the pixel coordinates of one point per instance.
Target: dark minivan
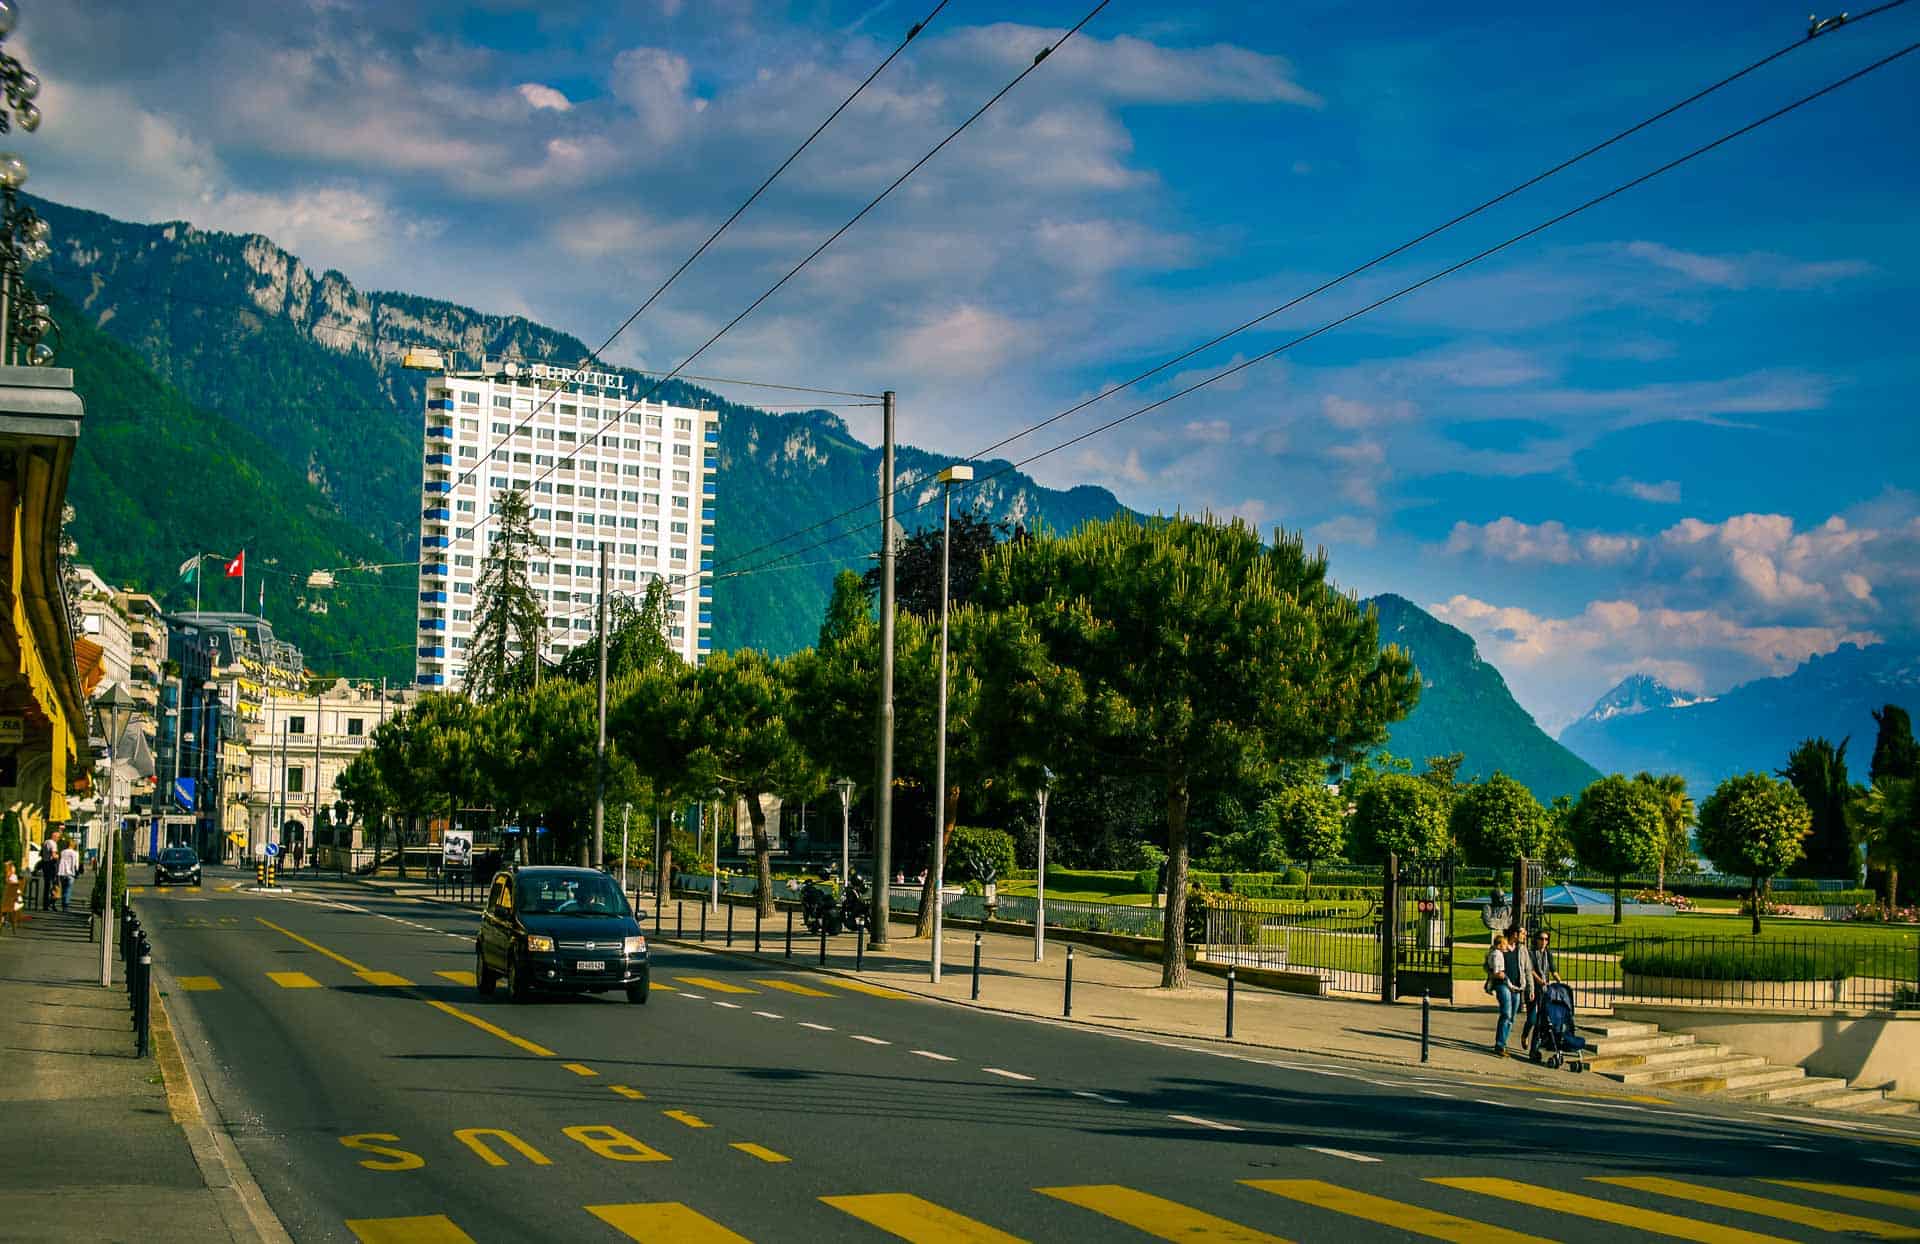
(176, 865)
(567, 930)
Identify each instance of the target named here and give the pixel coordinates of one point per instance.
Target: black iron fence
(1338, 941)
(1605, 966)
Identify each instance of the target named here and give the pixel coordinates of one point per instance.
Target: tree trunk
(949, 813)
(762, 855)
(1660, 871)
(401, 863)
(1893, 886)
(1173, 937)
(1753, 903)
(1618, 917)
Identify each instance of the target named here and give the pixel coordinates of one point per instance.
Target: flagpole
(199, 574)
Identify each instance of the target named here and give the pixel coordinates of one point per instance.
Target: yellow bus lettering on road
(471, 1138)
(390, 1159)
(613, 1144)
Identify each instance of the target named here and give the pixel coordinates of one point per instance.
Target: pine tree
(509, 620)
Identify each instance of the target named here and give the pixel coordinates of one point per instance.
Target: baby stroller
(1555, 1030)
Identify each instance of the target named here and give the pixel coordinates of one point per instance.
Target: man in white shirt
(69, 868)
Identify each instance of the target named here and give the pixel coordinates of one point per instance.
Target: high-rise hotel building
(643, 487)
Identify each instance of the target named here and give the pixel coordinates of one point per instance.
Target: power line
(1359, 269)
(835, 236)
(1402, 292)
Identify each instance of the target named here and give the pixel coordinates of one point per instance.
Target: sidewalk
(95, 1151)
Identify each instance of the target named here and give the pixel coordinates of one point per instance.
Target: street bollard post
(680, 915)
(1426, 1022)
(823, 943)
(859, 952)
(976, 967)
(659, 911)
(1067, 1009)
(756, 928)
(730, 907)
(703, 922)
(1230, 984)
(143, 1003)
(789, 932)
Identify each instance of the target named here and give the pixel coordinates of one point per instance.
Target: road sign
(273, 849)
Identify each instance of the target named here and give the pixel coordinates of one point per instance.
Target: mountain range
(237, 399)
(1643, 724)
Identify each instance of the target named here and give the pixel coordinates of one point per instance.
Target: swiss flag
(238, 566)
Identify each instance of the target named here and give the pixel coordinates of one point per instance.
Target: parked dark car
(176, 866)
(563, 930)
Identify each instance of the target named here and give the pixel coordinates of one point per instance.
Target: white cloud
(1209, 431)
(1346, 529)
(1130, 70)
(967, 340)
(1741, 272)
(1510, 540)
(540, 97)
(1661, 492)
(1350, 414)
(655, 84)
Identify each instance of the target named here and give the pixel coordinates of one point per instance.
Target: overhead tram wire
(817, 251)
(1395, 296)
(700, 250)
(1377, 260)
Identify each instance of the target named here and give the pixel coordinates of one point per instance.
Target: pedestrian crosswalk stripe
(580, 1069)
(653, 984)
(664, 1220)
(136, 889)
(457, 976)
(1765, 1207)
(759, 1151)
(1169, 1220)
(805, 991)
(293, 980)
(191, 983)
(682, 1116)
(718, 986)
(912, 1218)
(1605, 1211)
(628, 1092)
(1411, 1218)
(878, 991)
(426, 1229)
(383, 978)
(1878, 1196)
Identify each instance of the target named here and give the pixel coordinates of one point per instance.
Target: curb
(242, 1203)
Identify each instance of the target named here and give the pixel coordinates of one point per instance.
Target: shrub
(1294, 876)
(977, 850)
(1679, 902)
(1759, 963)
(1883, 914)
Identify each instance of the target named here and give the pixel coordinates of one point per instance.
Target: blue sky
(1676, 434)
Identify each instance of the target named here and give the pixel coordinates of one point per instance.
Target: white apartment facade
(598, 468)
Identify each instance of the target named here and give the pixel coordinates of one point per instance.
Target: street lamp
(845, 787)
(959, 473)
(1040, 874)
(713, 879)
(116, 711)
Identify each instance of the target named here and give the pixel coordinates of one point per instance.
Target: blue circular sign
(273, 849)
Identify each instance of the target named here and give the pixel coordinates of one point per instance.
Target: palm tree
(1676, 818)
(1886, 819)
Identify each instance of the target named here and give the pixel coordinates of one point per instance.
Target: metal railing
(1606, 966)
(1338, 941)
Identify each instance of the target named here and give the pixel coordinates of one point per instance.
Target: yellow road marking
(1877, 1196)
(427, 1229)
(805, 991)
(342, 960)
(491, 1029)
(718, 986)
(662, 985)
(878, 991)
(384, 978)
(473, 1138)
(136, 889)
(681, 1116)
(580, 1069)
(231, 886)
(631, 1094)
(1604, 1211)
(1157, 1216)
(664, 1220)
(458, 977)
(759, 1151)
(191, 983)
(1765, 1207)
(911, 1218)
(293, 980)
(1411, 1218)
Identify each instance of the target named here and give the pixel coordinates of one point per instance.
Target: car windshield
(569, 894)
(178, 855)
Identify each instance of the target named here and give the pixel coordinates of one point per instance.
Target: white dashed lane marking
(731, 1006)
(1001, 1071)
(1111, 1101)
(1197, 1121)
(938, 1058)
(768, 1015)
(1341, 1153)
(816, 1027)
(870, 1040)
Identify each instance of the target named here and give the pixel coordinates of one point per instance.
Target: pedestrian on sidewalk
(49, 871)
(1520, 972)
(1540, 968)
(69, 868)
(10, 898)
(1501, 985)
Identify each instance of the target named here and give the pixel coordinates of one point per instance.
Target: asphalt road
(374, 1095)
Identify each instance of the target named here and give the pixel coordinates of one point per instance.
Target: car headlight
(636, 946)
(539, 944)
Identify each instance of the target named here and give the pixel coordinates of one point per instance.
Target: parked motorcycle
(817, 907)
(856, 906)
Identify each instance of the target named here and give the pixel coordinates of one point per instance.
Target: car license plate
(589, 965)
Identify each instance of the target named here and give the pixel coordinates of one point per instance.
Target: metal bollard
(976, 967)
(756, 928)
(730, 906)
(1067, 1009)
(823, 943)
(1230, 984)
(659, 913)
(143, 1003)
(789, 932)
(1426, 1023)
(859, 952)
(703, 922)
(680, 915)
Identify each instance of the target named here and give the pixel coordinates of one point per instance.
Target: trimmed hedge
(1762, 963)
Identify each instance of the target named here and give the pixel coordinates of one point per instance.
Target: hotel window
(678, 529)
(650, 498)
(630, 524)
(463, 615)
(630, 496)
(543, 486)
(356, 726)
(609, 494)
(469, 425)
(653, 423)
(545, 460)
(649, 524)
(543, 434)
(630, 469)
(681, 477)
(501, 429)
(464, 507)
(567, 408)
(679, 503)
(653, 473)
(563, 542)
(683, 451)
(469, 451)
(463, 559)
(683, 425)
(502, 402)
(568, 436)
(296, 779)
(296, 725)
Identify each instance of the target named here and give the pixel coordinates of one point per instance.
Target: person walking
(1500, 983)
(1520, 973)
(49, 871)
(1540, 967)
(67, 869)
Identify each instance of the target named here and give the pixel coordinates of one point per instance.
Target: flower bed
(1679, 902)
(1880, 913)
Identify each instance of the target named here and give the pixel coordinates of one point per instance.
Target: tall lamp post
(959, 473)
(1040, 874)
(116, 711)
(713, 879)
(845, 787)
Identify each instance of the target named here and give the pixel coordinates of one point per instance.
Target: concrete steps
(1635, 1053)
